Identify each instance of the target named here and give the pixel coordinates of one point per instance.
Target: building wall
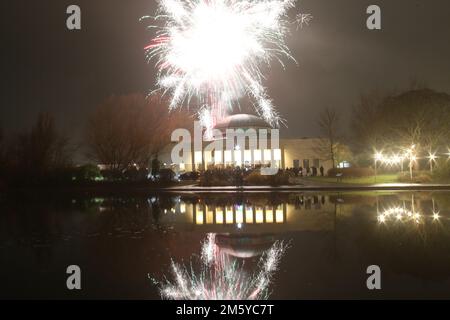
(303, 152)
(292, 149)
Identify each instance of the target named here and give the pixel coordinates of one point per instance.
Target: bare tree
(130, 129)
(329, 125)
(367, 123)
(41, 150)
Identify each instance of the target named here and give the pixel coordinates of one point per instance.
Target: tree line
(387, 121)
(122, 132)
(129, 131)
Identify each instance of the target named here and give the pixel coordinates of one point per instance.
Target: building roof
(242, 121)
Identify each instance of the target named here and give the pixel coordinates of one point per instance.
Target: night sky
(46, 67)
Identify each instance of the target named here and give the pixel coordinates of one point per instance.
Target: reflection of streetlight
(435, 213)
(432, 158)
(448, 153)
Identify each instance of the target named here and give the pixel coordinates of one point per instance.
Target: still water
(227, 245)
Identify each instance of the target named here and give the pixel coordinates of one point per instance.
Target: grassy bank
(385, 178)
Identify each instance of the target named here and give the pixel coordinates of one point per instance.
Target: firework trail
(213, 51)
(221, 276)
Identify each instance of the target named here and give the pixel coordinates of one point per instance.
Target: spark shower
(221, 276)
(209, 53)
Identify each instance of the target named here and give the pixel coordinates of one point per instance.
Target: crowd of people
(307, 172)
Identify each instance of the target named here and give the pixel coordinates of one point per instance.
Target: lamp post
(412, 159)
(432, 158)
(378, 157)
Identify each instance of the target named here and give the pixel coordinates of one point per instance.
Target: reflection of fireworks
(213, 50)
(222, 277)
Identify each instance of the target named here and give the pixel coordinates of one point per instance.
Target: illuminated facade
(288, 153)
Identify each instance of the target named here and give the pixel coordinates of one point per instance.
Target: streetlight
(378, 157)
(432, 158)
(412, 158)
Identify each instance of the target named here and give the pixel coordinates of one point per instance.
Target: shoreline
(144, 190)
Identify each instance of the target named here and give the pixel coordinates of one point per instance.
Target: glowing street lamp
(412, 158)
(378, 157)
(432, 159)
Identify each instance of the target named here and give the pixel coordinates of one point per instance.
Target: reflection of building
(301, 212)
(238, 214)
(290, 153)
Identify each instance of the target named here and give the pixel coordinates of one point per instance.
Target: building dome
(242, 121)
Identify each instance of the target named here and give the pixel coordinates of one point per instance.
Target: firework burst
(222, 277)
(213, 51)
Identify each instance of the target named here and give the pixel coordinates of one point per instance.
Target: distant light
(379, 156)
(432, 156)
(239, 225)
(381, 218)
(436, 216)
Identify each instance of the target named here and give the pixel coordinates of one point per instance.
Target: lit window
(279, 216)
(239, 214)
(277, 154)
(259, 215)
(228, 158)
(269, 215)
(199, 216)
(219, 216)
(198, 157)
(229, 215)
(208, 157)
(238, 158)
(248, 156)
(209, 215)
(217, 157)
(249, 215)
(257, 155)
(267, 155)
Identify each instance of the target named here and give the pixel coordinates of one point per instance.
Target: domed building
(242, 121)
(254, 144)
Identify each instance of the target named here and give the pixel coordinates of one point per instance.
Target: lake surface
(323, 244)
